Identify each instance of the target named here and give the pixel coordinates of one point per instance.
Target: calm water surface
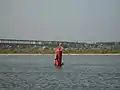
(78, 73)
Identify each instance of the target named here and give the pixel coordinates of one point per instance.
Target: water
(78, 73)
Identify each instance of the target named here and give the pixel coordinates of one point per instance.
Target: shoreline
(63, 54)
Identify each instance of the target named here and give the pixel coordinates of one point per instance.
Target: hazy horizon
(60, 20)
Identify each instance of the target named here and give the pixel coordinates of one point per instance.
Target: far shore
(63, 54)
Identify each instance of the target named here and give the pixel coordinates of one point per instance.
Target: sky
(63, 20)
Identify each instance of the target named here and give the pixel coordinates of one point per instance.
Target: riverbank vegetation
(86, 51)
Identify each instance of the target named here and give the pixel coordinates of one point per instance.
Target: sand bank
(53, 54)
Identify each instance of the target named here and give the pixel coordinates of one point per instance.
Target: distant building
(45, 47)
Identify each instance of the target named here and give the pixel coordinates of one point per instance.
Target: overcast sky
(69, 20)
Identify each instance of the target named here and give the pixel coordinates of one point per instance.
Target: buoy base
(57, 64)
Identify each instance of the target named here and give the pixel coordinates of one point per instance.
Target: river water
(78, 73)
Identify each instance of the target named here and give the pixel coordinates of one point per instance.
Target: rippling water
(78, 73)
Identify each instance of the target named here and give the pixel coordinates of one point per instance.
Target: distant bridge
(15, 42)
(33, 42)
(27, 43)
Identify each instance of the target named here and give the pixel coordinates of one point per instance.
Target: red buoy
(58, 58)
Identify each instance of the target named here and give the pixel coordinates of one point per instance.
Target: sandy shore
(53, 54)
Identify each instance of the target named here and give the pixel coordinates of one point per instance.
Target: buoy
(58, 59)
